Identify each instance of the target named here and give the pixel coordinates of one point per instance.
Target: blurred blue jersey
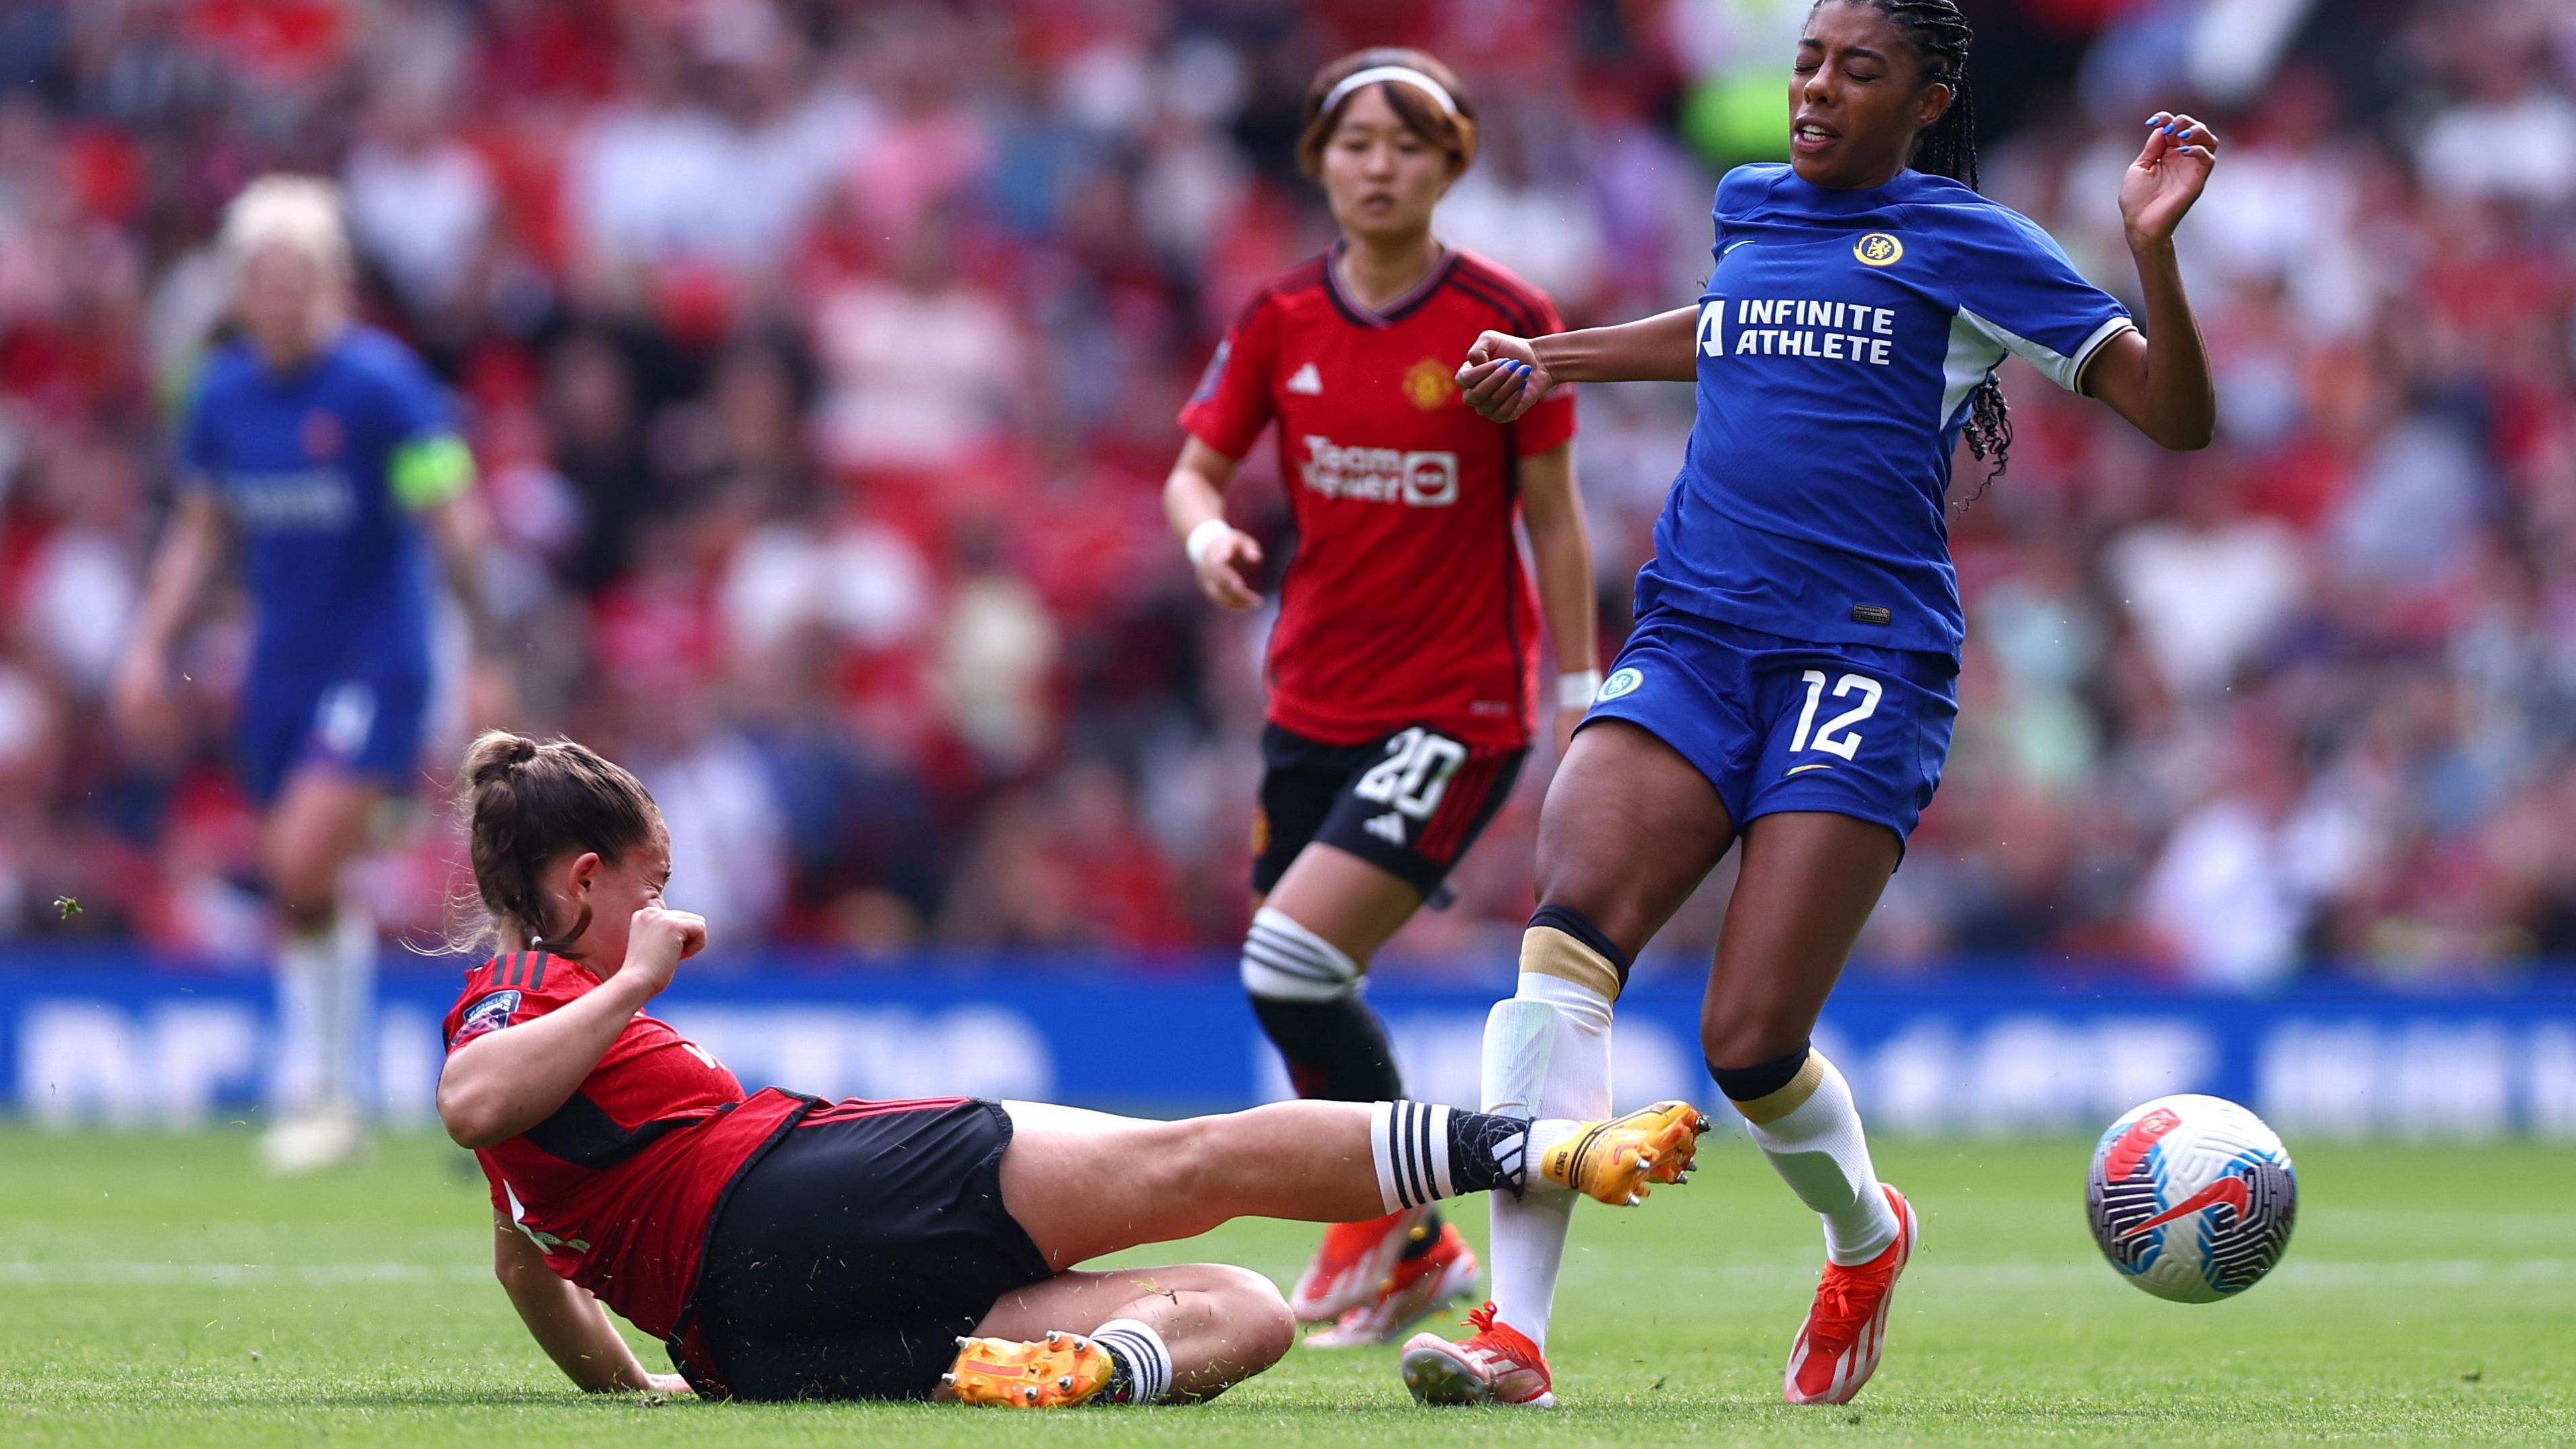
(304, 465)
(1840, 339)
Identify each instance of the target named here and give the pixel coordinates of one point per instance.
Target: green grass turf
(154, 1290)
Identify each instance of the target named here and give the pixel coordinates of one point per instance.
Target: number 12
(1847, 744)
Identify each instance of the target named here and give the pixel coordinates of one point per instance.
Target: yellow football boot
(1055, 1372)
(1613, 1161)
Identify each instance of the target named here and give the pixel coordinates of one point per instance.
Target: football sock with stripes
(1800, 1113)
(1547, 1054)
(1306, 993)
(1425, 1152)
(1140, 1363)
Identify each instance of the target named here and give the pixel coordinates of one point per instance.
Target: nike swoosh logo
(2229, 1190)
(1739, 246)
(1802, 769)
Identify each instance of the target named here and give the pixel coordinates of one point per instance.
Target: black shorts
(849, 1258)
(1409, 803)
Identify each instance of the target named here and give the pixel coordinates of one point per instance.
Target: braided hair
(1948, 147)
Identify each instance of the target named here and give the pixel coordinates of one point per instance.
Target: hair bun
(495, 753)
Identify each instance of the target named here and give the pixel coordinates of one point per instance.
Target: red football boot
(1413, 1289)
(1498, 1365)
(1837, 1347)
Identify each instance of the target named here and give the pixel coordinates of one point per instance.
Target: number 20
(1847, 743)
(1414, 774)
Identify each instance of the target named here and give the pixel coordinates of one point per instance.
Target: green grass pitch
(155, 1290)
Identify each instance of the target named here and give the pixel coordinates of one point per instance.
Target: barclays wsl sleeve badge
(492, 1013)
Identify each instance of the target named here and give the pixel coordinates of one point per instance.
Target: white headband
(1404, 73)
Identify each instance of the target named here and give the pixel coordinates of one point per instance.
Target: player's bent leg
(325, 970)
(1178, 1334)
(1809, 882)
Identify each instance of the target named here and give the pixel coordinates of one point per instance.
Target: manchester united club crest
(1429, 383)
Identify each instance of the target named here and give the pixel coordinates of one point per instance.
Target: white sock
(1409, 1142)
(1547, 1054)
(351, 1025)
(307, 990)
(1818, 1148)
(1141, 1350)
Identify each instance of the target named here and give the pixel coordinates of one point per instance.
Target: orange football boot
(1055, 1372)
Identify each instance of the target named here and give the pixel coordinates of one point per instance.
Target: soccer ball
(2192, 1198)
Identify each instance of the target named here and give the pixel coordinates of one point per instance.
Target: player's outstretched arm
(569, 1324)
(502, 1083)
(1505, 376)
(2161, 382)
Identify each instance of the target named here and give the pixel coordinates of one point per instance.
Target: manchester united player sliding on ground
(1403, 671)
(789, 1248)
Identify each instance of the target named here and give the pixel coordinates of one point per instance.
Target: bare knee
(1256, 1324)
(1234, 1326)
(301, 861)
(305, 892)
(1736, 1031)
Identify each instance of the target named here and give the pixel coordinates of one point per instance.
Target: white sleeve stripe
(2092, 348)
(2058, 367)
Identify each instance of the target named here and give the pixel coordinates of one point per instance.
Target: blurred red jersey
(1407, 602)
(621, 1184)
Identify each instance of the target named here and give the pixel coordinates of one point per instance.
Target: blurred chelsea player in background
(1792, 676)
(326, 452)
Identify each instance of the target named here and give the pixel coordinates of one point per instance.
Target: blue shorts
(1780, 724)
(367, 726)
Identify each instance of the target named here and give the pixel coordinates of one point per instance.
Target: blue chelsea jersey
(1840, 340)
(338, 573)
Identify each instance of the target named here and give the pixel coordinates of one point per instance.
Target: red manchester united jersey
(1407, 602)
(620, 1184)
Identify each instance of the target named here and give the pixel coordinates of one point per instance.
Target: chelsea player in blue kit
(326, 451)
(1790, 682)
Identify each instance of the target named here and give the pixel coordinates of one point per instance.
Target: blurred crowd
(821, 359)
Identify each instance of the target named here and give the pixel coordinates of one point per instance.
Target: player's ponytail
(528, 803)
(1948, 147)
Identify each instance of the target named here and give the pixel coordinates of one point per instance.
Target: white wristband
(1203, 538)
(1574, 689)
